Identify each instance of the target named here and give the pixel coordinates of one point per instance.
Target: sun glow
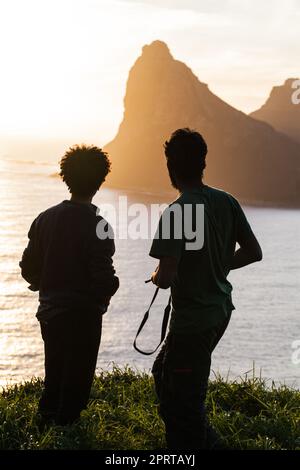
(64, 63)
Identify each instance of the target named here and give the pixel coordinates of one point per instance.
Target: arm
(30, 263)
(103, 281)
(248, 253)
(250, 250)
(165, 273)
(168, 250)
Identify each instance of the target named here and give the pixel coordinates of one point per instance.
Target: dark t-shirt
(201, 293)
(66, 262)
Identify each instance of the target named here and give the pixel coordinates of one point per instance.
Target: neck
(190, 186)
(81, 200)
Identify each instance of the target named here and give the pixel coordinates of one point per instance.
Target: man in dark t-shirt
(201, 293)
(73, 271)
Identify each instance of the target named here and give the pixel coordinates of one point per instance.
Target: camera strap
(163, 326)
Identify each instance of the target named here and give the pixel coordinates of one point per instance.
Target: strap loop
(163, 326)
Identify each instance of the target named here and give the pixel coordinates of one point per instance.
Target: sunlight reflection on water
(266, 295)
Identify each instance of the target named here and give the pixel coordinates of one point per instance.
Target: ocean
(264, 333)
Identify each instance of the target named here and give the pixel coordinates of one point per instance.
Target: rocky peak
(156, 50)
(280, 111)
(245, 156)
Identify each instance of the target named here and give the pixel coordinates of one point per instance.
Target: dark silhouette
(246, 157)
(73, 271)
(201, 293)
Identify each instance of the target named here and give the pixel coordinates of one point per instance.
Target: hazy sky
(64, 63)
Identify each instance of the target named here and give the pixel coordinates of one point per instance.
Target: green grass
(122, 414)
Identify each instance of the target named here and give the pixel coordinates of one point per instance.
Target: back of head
(185, 152)
(84, 168)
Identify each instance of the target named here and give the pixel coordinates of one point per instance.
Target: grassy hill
(122, 414)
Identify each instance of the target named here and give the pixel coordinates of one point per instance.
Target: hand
(154, 277)
(33, 287)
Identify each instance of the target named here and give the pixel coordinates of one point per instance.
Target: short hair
(185, 152)
(84, 168)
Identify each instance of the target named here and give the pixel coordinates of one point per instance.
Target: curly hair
(84, 168)
(185, 152)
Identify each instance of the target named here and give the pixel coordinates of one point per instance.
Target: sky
(64, 63)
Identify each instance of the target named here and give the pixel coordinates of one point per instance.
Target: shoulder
(220, 196)
(217, 192)
(50, 211)
(88, 216)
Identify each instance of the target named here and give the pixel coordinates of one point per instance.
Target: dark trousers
(71, 343)
(181, 371)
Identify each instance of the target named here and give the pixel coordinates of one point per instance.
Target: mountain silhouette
(246, 157)
(280, 111)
